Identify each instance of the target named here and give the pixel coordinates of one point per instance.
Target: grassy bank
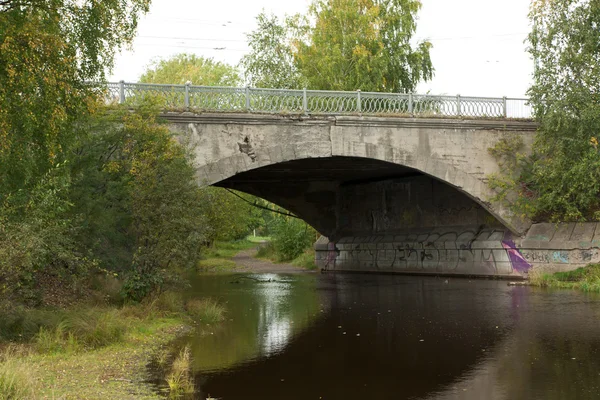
(586, 279)
(305, 260)
(217, 258)
(92, 352)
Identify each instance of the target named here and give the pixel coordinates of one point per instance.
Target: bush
(306, 259)
(291, 237)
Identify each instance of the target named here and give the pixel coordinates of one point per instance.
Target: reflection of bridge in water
(394, 182)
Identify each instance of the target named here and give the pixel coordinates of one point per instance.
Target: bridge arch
(390, 194)
(453, 152)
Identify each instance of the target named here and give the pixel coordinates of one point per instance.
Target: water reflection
(264, 312)
(393, 337)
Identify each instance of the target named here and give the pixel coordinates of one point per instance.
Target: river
(314, 336)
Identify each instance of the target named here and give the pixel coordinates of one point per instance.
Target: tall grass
(179, 379)
(17, 379)
(586, 279)
(82, 329)
(207, 311)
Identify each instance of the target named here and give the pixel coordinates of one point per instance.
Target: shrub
(291, 237)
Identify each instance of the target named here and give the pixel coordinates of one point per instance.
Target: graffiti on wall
(487, 252)
(518, 261)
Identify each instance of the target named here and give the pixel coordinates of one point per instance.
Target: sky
(478, 49)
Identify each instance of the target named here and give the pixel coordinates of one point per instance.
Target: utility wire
(262, 207)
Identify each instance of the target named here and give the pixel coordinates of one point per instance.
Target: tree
(563, 182)
(48, 49)
(270, 63)
(136, 199)
(201, 71)
(364, 44)
(350, 45)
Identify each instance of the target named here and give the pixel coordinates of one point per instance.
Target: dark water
(396, 337)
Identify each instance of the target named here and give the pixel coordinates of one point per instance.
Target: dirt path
(247, 263)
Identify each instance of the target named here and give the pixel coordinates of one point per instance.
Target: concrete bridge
(394, 182)
(386, 192)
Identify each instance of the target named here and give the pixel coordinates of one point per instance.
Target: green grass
(258, 239)
(586, 279)
(81, 352)
(306, 260)
(227, 249)
(207, 311)
(216, 265)
(16, 378)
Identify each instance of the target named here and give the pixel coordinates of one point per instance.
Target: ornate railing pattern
(232, 99)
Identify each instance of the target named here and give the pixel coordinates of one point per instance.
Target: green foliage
(201, 71)
(139, 199)
(564, 177)
(514, 167)
(306, 260)
(586, 279)
(228, 217)
(291, 237)
(340, 45)
(48, 49)
(364, 44)
(270, 63)
(267, 251)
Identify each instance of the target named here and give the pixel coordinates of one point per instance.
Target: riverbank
(253, 257)
(93, 352)
(586, 279)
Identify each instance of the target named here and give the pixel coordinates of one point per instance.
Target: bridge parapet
(315, 102)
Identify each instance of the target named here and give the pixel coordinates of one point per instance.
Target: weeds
(306, 259)
(207, 311)
(16, 377)
(586, 279)
(179, 379)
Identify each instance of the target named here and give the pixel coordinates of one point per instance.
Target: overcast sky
(478, 45)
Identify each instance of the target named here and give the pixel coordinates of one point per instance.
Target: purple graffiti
(332, 253)
(519, 263)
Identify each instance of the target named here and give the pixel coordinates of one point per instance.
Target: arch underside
(379, 216)
(355, 196)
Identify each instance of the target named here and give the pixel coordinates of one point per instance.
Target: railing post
(187, 95)
(504, 108)
(358, 102)
(410, 104)
(458, 110)
(304, 102)
(121, 92)
(247, 98)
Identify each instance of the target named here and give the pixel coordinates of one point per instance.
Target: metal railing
(308, 102)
